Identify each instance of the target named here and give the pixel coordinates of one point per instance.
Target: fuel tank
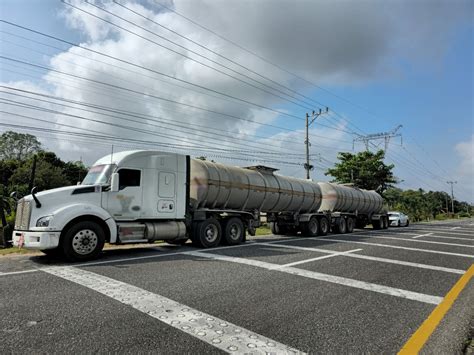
(343, 198)
(217, 186)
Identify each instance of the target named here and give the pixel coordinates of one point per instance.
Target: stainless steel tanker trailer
(144, 196)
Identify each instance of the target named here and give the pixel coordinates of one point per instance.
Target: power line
(186, 56)
(216, 53)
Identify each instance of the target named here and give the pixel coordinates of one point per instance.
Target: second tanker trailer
(143, 196)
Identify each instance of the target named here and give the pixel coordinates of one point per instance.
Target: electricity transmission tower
(386, 136)
(309, 120)
(452, 193)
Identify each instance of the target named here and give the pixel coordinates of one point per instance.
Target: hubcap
(234, 232)
(84, 242)
(211, 233)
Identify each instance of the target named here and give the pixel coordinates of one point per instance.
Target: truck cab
(121, 199)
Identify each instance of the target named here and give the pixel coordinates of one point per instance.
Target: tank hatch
(262, 169)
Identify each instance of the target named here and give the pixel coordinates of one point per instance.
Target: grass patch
(15, 250)
(263, 230)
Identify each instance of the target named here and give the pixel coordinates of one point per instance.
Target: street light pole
(309, 121)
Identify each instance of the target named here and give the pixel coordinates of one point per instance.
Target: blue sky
(427, 90)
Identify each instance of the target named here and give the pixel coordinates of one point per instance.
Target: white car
(398, 219)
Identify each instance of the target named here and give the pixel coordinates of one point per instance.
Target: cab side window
(129, 177)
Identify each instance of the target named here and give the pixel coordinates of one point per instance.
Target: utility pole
(452, 193)
(309, 120)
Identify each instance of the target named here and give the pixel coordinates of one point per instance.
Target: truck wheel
(83, 241)
(385, 223)
(377, 224)
(208, 233)
(276, 229)
(323, 226)
(350, 225)
(341, 226)
(311, 228)
(234, 231)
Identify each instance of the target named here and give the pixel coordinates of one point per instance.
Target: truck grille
(23, 213)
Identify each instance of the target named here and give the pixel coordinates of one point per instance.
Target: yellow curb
(419, 338)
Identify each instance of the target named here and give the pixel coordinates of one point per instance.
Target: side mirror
(114, 182)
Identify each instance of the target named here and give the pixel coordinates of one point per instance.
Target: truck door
(126, 204)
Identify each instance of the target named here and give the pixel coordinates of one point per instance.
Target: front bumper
(36, 240)
(394, 222)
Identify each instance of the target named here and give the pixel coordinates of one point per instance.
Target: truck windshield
(99, 174)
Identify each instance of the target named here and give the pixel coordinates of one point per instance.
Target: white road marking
(395, 247)
(420, 297)
(205, 327)
(372, 258)
(421, 230)
(375, 236)
(319, 258)
(455, 228)
(432, 235)
(422, 235)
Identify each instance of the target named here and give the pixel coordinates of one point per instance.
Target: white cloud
(465, 171)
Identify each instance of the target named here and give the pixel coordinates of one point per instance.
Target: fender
(64, 215)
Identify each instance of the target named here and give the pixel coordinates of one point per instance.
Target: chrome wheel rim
(235, 231)
(210, 233)
(84, 242)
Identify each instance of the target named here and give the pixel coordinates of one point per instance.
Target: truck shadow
(253, 249)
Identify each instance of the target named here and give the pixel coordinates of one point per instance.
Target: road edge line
(423, 333)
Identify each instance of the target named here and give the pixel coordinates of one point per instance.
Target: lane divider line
(214, 331)
(421, 336)
(374, 258)
(387, 290)
(422, 235)
(319, 258)
(431, 235)
(395, 247)
(420, 241)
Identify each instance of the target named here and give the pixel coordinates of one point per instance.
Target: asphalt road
(365, 292)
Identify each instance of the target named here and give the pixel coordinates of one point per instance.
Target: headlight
(44, 221)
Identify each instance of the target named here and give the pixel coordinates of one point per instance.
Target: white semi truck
(144, 196)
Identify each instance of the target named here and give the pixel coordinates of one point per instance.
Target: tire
(83, 241)
(385, 223)
(350, 225)
(341, 226)
(234, 231)
(377, 224)
(311, 229)
(399, 224)
(323, 226)
(208, 233)
(277, 229)
(408, 223)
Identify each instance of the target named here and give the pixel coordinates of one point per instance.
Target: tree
(47, 177)
(364, 169)
(18, 146)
